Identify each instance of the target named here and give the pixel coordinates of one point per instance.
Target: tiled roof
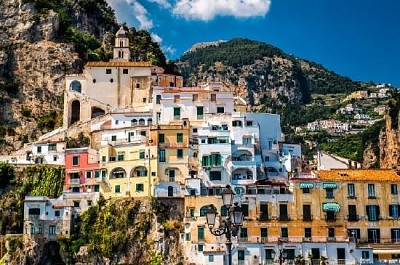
(118, 64)
(375, 175)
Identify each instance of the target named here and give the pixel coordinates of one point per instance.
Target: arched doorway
(75, 111)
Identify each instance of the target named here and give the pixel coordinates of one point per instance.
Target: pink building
(81, 170)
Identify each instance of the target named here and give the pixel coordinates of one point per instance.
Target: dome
(122, 32)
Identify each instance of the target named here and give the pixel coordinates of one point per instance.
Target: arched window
(134, 122)
(150, 121)
(118, 173)
(141, 122)
(140, 172)
(75, 86)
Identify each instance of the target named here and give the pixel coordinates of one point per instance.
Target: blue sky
(355, 38)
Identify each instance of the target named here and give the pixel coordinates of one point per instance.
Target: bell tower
(121, 47)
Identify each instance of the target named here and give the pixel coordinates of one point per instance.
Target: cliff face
(34, 62)
(389, 146)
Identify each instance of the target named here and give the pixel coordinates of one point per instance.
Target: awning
(306, 185)
(331, 206)
(329, 185)
(386, 251)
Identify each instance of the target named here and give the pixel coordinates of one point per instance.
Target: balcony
(307, 217)
(172, 145)
(307, 239)
(353, 218)
(284, 218)
(264, 218)
(264, 239)
(74, 182)
(331, 239)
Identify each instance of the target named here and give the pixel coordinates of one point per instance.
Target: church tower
(121, 47)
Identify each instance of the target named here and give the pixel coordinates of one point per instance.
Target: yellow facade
(128, 170)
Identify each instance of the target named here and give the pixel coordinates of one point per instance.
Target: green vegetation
(349, 146)
(7, 174)
(11, 87)
(81, 141)
(26, 112)
(48, 121)
(34, 180)
(109, 229)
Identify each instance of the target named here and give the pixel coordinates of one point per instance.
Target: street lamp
(282, 253)
(229, 226)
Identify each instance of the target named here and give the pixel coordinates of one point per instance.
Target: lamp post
(282, 253)
(230, 226)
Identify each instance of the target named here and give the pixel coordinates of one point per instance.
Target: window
(264, 212)
(75, 160)
(213, 97)
(177, 98)
(144, 100)
(113, 138)
(125, 71)
(177, 113)
(329, 193)
(331, 232)
(210, 258)
(268, 256)
(220, 109)
(211, 160)
(393, 189)
(141, 172)
(307, 232)
(57, 213)
(374, 235)
(179, 137)
(34, 211)
(395, 233)
(394, 210)
(203, 210)
(373, 212)
(139, 187)
(117, 188)
(354, 233)
(88, 174)
(224, 210)
(200, 233)
(158, 99)
(306, 190)
(75, 189)
(143, 133)
(351, 192)
(365, 254)
(120, 156)
(96, 188)
(284, 232)
(215, 175)
(371, 191)
(96, 173)
(137, 85)
(52, 229)
(161, 156)
(200, 248)
(55, 158)
(352, 213)
(245, 209)
(187, 236)
(246, 140)
(89, 203)
(76, 204)
(108, 71)
(237, 123)
(243, 233)
(307, 212)
(142, 154)
(52, 147)
(283, 212)
(264, 233)
(200, 112)
(179, 153)
(161, 138)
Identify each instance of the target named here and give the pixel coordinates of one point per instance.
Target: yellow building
(128, 168)
(173, 158)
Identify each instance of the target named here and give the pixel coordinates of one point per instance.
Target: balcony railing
(264, 239)
(74, 182)
(353, 218)
(284, 218)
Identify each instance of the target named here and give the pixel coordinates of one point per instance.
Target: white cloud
(209, 9)
(126, 9)
(168, 50)
(155, 37)
(162, 3)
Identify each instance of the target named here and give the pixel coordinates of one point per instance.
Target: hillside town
(150, 136)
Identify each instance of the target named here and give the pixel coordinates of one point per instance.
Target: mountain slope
(266, 76)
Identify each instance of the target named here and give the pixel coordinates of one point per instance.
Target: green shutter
(200, 233)
(177, 111)
(219, 160)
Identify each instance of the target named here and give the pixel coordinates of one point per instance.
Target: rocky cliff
(34, 59)
(389, 145)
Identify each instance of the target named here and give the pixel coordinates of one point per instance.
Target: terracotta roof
(118, 64)
(376, 175)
